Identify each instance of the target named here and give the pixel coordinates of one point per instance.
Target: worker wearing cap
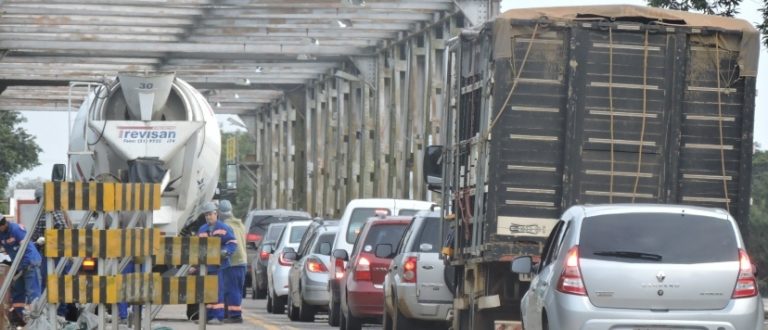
(234, 275)
(27, 287)
(215, 228)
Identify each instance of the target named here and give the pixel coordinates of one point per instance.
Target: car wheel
(278, 304)
(342, 321)
(293, 313)
(269, 304)
(386, 320)
(401, 322)
(259, 293)
(333, 314)
(306, 312)
(351, 322)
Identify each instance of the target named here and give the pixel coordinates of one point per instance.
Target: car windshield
(384, 234)
(296, 233)
(358, 218)
(658, 237)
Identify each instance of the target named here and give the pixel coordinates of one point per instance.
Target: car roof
(605, 209)
(280, 213)
(389, 220)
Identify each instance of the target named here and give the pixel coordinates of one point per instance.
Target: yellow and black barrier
(95, 243)
(101, 196)
(135, 288)
(189, 251)
(141, 242)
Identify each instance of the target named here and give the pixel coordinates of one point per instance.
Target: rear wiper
(629, 254)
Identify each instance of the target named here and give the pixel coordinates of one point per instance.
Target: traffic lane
(255, 316)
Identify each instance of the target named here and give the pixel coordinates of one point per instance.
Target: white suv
(415, 291)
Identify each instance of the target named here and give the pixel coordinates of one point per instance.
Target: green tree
(18, 149)
(714, 7)
(242, 197)
(758, 217)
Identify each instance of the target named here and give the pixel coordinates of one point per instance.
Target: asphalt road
(255, 317)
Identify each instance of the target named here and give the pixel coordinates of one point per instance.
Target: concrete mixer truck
(149, 128)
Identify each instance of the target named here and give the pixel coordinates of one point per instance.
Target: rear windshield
(327, 239)
(260, 223)
(384, 234)
(406, 212)
(357, 220)
(273, 233)
(655, 237)
(296, 234)
(429, 239)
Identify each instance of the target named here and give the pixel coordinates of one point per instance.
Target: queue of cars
(381, 263)
(341, 267)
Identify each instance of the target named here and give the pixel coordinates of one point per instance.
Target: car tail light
(314, 265)
(409, 270)
(746, 286)
(363, 270)
(89, 264)
(283, 261)
(263, 255)
(253, 237)
(338, 264)
(570, 280)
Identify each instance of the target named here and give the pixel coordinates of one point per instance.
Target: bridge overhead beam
(362, 126)
(478, 11)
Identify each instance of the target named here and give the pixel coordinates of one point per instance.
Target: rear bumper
(410, 306)
(578, 313)
(365, 300)
(314, 289)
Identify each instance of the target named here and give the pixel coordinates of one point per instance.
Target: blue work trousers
(26, 288)
(233, 279)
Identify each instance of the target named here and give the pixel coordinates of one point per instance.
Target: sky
(51, 130)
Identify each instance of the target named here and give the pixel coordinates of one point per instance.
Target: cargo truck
(551, 107)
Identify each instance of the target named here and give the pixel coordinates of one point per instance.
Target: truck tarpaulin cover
(739, 35)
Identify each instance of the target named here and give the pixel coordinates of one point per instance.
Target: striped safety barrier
(135, 288)
(98, 196)
(140, 242)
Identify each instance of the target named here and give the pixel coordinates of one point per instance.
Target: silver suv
(414, 288)
(642, 267)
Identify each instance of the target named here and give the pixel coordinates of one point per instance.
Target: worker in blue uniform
(234, 275)
(215, 228)
(27, 287)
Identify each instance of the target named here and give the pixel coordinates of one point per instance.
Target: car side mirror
(290, 255)
(269, 248)
(325, 248)
(433, 167)
(341, 254)
(522, 265)
(383, 251)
